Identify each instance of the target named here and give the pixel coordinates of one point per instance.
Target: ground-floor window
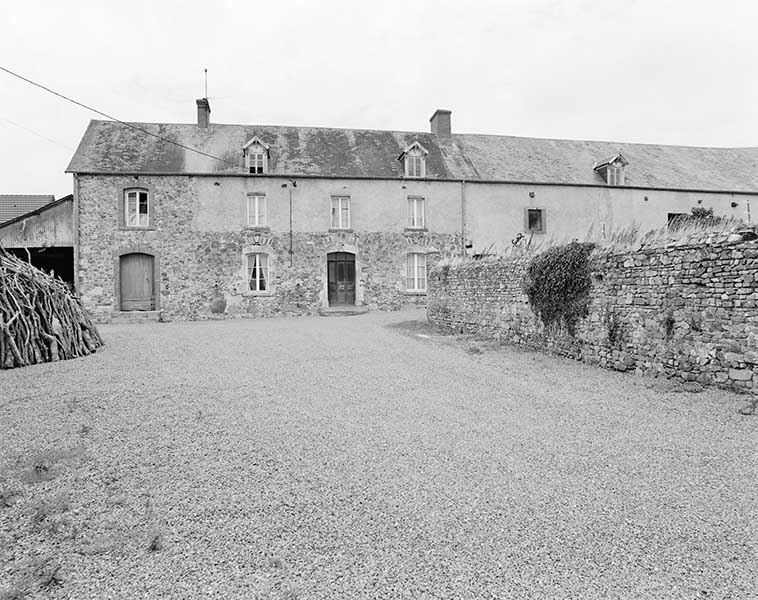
(257, 272)
(416, 273)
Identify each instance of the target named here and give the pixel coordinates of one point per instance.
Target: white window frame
(615, 175)
(341, 203)
(138, 194)
(415, 163)
(259, 273)
(256, 156)
(415, 264)
(256, 217)
(416, 212)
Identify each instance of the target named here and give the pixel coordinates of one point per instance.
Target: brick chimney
(441, 123)
(203, 112)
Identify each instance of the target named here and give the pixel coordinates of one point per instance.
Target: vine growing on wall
(558, 282)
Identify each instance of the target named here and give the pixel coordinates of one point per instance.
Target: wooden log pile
(40, 319)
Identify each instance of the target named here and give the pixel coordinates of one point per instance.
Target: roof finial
(206, 84)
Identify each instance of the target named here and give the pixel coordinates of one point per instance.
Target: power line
(44, 137)
(107, 116)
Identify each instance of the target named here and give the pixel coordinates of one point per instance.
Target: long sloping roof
(110, 147)
(14, 205)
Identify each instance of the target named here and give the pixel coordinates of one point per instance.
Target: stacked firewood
(40, 319)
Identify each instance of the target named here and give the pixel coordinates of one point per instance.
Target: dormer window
(257, 160)
(414, 160)
(414, 164)
(611, 169)
(615, 175)
(256, 155)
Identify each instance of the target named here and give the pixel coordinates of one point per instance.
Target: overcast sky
(678, 72)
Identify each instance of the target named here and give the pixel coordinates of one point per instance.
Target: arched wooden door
(341, 278)
(137, 281)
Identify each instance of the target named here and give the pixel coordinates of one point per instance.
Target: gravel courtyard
(365, 457)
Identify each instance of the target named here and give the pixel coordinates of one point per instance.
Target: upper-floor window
(416, 212)
(256, 156)
(414, 160)
(615, 175)
(416, 272)
(414, 165)
(535, 220)
(136, 208)
(257, 272)
(257, 162)
(256, 210)
(611, 169)
(340, 212)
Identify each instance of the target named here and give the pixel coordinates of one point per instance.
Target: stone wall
(201, 262)
(684, 311)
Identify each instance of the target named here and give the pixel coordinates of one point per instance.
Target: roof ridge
(454, 135)
(616, 142)
(27, 195)
(270, 126)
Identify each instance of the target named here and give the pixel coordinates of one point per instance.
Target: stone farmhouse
(189, 220)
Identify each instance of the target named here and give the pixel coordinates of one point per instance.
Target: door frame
(117, 274)
(355, 276)
(350, 249)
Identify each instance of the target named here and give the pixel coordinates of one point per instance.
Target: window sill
(257, 228)
(266, 294)
(414, 293)
(413, 229)
(543, 232)
(341, 230)
(128, 228)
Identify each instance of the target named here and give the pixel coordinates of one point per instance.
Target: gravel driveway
(365, 457)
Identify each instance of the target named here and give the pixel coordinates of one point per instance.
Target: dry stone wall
(684, 311)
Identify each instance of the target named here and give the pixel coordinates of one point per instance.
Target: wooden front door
(341, 278)
(137, 282)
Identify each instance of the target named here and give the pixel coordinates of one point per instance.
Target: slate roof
(110, 147)
(12, 206)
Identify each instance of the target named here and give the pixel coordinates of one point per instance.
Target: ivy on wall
(558, 282)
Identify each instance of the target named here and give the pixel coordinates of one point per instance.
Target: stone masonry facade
(201, 274)
(686, 311)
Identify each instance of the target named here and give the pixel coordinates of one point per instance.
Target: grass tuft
(9, 496)
(156, 541)
(13, 593)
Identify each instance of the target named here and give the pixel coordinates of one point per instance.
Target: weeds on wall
(698, 217)
(558, 282)
(614, 328)
(694, 229)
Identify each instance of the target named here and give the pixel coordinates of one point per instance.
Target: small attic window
(612, 169)
(256, 155)
(414, 160)
(615, 175)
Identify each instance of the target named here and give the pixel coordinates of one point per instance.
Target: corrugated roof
(14, 205)
(109, 147)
